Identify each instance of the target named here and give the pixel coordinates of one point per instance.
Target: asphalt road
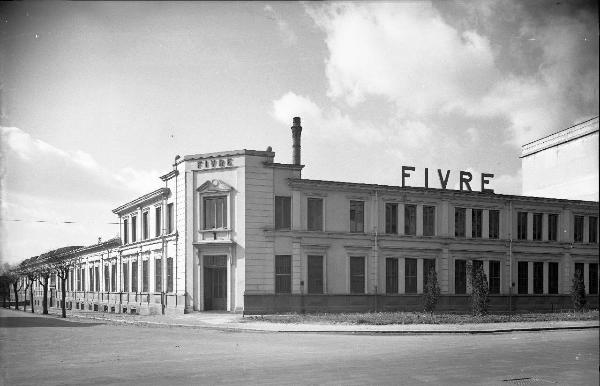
(37, 350)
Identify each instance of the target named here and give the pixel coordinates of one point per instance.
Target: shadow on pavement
(19, 322)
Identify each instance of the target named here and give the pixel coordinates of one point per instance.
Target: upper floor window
(476, 223)
(593, 229)
(428, 220)
(170, 218)
(215, 212)
(552, 227)
(314, 214)
(578, 229)
(391, 218)
(158, 221)
(522, 225)
(494, 224)
(283, 212)
(125, 231)
(145, 225)
(133, 229)
(460, 217)
(410, 220)
(357, 216)
(537, 226)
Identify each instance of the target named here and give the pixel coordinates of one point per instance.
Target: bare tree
(44, 272)
(62, 268)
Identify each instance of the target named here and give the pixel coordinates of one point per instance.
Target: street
(36, 350)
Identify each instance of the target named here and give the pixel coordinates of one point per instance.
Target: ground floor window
(410, 276)
(106, 279)
(113, 277)
(125, 273)
(593, 278)
(97, 278)
(428, 266)
(494, 271)
(134, 276)
(538, 278)
(315, 274)
(158, 275)
(92, 278)
(145, 275)
(169, 274)
(283, 274)
(357, 275)
(522, 277)
(553, 278)
(391, 275)
(460, 276)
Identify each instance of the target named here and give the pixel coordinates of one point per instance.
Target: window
(113, 277)
(283, 212)
(494, 270)
(145, 225)
(125, 231)
(494, 224)
(314, 214)
(82, 279)
(170, 218)
(429, 221)
(357, 275)
(283, 274)
(391, 275)
(428, 266)
(106, 279)
(133, 229)
(97, 278)
(92, 279)
(522, 225)
(157, 275)
(552, 227)
(537, 226)
(125, 273)
(476, 223)
(593, 278)
(460, 276)
(522, 277)
(476, 265)
(157, 221)
(460, 216)
(391, 218)
(169, 274)
(72, 278)
(538, 277)
(553, 278)
(410, 220)
(357, 216)
(593, 230)
(410, 276)
(215, 212)
(315, 274)
(145, 273)
(134, 276)
(578, 229)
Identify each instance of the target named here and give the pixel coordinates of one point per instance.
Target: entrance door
(215, 282)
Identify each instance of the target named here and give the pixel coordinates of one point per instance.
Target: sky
(98, 98)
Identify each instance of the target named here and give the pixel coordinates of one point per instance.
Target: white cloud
(286, 31)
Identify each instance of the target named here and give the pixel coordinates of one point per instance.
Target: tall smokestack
(296, 132)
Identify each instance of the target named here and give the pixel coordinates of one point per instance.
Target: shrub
(431, 292)
(578, 291)
(479, 291)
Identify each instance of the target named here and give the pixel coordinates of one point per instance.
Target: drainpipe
(510, 260)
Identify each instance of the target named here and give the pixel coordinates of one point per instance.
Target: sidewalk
(236, 322)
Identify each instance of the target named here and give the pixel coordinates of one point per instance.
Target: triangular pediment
(214, 186)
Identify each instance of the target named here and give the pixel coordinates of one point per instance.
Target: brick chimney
(296, 132)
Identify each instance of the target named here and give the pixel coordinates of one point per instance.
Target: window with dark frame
(428, 266)
(428, 220)
(357, 275)
(215, 212)
(314, 214)
(391, 218)
(522, 277)
(97, 278)
(315, 274)
(522, 225)
(537, 226)
(410, 220)
(553, 278)
(410, 276)
(494, 224)
(391, 275)
(82, 279)
(578, 229)
(125, 231)
(106, 278)
(145, 275)
(169, 274)
(133, 229)
(476, 223)
(113, 277)
(283, 212)
(134, 276)
(157, 221)
(593, 278)
(283, 274)
(593, 229)
(460, 277)
(494, 279)
(157, 275)
(538, 277)
(92, 279)
(552, 227)
(125, 274)
(145, 226)
(357, 216)
(460, 222)
(170, 218)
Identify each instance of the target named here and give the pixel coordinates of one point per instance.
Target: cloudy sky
(98, 98)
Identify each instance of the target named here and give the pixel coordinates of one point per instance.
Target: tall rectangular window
(460, 221)
(552, 227)
(391, 218)
(106, 279)
(593, 229)
(522, 225)
(429, 221)
(593, 278)
(113, 277)
(157, 275)
(578, 229)
(283, 274)
(82, 279)
(145, 275)
(169, 274)
(460, 277)
(283, 212)
(315, 274)
(410, 276)
(72, 279)
(133, 229)
(125, 273)
(134, 276)
(97, 276)
(391, 275)
(522, 277)
(494, 279)
(215, 212)
(553, 278)
(157, 221)
(357, 275)
(314, 214)
(145, 225)
(410, 220)
(537, 226)
(494, 224)
(476, 223)
(92, 279)
(428, 266)
(125, 231)
(357, 216)
(538, 277)
(170, 218)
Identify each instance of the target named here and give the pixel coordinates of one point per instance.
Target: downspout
(510, 260)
